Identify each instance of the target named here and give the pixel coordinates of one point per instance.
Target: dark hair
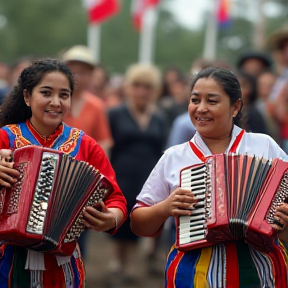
(14, 109)
(242, 75)
(228, 81)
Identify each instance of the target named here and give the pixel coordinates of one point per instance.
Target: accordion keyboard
(193, 228)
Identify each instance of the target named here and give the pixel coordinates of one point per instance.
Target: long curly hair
(14, 109)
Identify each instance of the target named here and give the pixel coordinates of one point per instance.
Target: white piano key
(197, 211)
(188, 239)
(193, 229)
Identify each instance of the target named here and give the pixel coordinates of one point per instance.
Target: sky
(189, 13)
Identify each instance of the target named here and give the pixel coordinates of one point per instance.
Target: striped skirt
(15, 274)
(229, 265)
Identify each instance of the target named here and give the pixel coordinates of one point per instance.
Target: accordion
(42, 210)
(237, 197)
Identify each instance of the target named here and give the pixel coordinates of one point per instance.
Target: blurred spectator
(265, 83)
(4, 75)
(139, 138)
(4, 80)
(199, 64)
(12, 74)
(175, 100)
(17, 67)
(278, 44)
(99, 82)
(171, 74)
(182, 130)
(253, 120)
(254, 62)
(87, 111)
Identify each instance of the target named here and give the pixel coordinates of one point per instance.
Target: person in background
(254, 62)
(4, 81)
(175, 100)
(12, 74)
(99, 82)
(139, 138)
(181, 131)
(278, 44)
(215, 110)
(87, 111)
(265, 82)
(115, 93)
(32, 114)
(252, 117)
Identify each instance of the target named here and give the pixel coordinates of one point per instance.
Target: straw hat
(277, 38)
(79, 53)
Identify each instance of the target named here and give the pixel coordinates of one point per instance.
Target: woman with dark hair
(32, 115)
(252, 118)
(214, 109)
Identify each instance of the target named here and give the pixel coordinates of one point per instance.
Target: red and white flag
(101, 10)
(138, 9)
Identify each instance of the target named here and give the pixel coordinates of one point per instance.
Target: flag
(223, 13)
(138, 9)
(101, 10)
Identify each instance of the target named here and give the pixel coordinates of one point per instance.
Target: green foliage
(47, 27)
(38, 27)
(44, 28)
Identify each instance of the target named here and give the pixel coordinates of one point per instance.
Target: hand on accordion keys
(281, 222)
(99, 217)
(180, 202)
(8, 175)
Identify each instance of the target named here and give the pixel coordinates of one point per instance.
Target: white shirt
(165, 176)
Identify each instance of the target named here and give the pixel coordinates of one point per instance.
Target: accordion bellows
(43, 210)
(237, 198)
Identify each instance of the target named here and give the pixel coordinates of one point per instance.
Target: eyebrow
(209, 94)
(62, 89)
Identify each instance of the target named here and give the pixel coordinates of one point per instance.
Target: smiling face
(49, 101)
(210, 109)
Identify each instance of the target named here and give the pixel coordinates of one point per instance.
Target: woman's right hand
(8, 175)
(180, 202)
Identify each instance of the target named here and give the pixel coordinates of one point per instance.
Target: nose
(203, 108)
(55, 100)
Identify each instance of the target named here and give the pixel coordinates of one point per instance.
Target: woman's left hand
(281, 216)
(99, 218)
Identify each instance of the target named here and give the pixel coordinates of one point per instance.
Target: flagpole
(211, 33)
(147, 35)
(94, 38)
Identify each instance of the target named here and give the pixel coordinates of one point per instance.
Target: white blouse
(165, 176)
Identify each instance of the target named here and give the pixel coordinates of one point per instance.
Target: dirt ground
(145, 272)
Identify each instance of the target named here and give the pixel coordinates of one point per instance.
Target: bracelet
(115, 218)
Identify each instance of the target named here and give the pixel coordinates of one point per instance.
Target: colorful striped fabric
(229, 265)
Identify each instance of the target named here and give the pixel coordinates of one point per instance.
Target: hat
(262, 56)
(277, 38)
(79, 53)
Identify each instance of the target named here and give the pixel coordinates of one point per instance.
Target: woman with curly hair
(32, 115)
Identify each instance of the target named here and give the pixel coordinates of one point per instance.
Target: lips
(51, 112)
(203, 119)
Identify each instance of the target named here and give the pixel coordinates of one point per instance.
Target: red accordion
(43, 209)
(237, 198)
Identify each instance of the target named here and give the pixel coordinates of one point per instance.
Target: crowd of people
(131, 119)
